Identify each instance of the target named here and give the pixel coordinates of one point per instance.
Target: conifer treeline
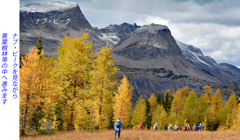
(77, 90)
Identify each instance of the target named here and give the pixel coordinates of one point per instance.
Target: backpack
(118, 125)
(177, 127)
(140, 126)
(170, 127)
(195, 128)
(155, 127)
(184, 128)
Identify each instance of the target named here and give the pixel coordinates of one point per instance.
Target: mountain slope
(152, 46)
(195, 56)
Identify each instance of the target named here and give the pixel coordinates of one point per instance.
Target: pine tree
(167, 104)
(139, 113)
(122, 106)
(163, 102)
(39, 45)
(71, 76)
(159, 99)
(148, 107)
(103, 81)
(148, 115)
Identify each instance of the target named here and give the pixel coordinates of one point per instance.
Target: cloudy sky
(211, 25)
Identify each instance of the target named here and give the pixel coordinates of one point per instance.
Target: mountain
(53, 20)
(153, 62)
(231, 70)
(117, 32)
(148, 55)
(224, 72)
(152, 46)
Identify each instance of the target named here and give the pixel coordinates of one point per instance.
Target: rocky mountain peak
(152, 38)
(47, 7)
(153, 28)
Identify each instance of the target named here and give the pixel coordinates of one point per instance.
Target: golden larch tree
(236, 122)
(177, 103)
(122, 103)
(232, 102)
(71, 79)
(153, 103)
(139, 113)
(32, 90)
(208, 94)
(103, 82)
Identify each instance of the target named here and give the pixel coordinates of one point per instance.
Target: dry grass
(138, 135)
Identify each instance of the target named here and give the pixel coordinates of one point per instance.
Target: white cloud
(230, 33)
(151, 19)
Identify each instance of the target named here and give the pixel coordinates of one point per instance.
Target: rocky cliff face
(118, 31)
(53, 21)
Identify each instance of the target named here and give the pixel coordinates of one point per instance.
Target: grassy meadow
(138, 135)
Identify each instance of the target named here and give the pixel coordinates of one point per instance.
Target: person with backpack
(140, 126)
(155, 126)
(176, 127)
(170, 127)
(195, 128)
(200, 128)
(117, 128)
(185, 128)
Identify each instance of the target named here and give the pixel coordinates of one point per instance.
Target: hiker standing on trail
(189, 128)
(170, 127)
(140, 126)
(200, 128)
(176, 127)
(195, 127)
(155, 126)
(117, 128)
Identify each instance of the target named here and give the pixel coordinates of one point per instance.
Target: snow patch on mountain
(194, 54)
(197, 56)
(110, 37)
(47, 7)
